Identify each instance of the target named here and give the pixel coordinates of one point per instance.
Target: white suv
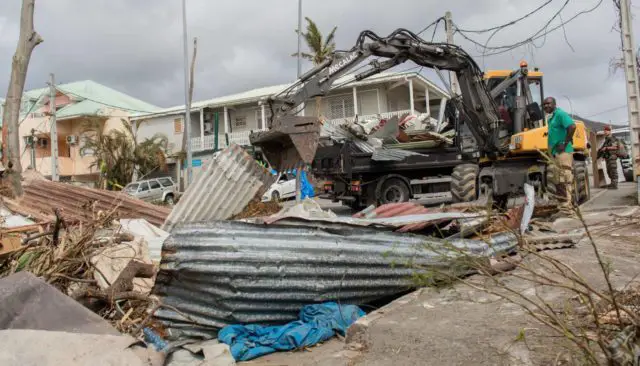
(153, 190)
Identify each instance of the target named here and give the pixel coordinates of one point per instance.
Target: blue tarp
(317, 323)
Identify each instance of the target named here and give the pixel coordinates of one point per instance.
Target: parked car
(153, 190)
(627, 166)
(283, 188)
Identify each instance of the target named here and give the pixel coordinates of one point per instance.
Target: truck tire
(464, 183)
(394, 190)
(581, 189)
(581, 179)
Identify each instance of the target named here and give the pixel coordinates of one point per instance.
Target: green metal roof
(91, 99)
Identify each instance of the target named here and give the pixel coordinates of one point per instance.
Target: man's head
(607, 130)
(549, 104)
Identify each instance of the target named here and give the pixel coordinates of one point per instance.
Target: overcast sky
(135, 46)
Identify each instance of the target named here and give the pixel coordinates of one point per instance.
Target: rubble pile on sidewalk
(225, 264)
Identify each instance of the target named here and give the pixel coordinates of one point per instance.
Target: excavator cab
(290, 143)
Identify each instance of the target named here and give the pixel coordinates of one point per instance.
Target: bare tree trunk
(27, 41)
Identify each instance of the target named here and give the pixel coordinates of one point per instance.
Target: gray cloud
(136, 46)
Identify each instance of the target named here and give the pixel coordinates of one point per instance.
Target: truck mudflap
(290, 143)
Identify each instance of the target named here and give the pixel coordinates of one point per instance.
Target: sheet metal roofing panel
(41, 197)
(231, 272)
(222, 189)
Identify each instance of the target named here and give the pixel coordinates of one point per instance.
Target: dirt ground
(462, 326)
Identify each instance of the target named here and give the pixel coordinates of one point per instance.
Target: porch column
(443, 104)
(427, 109)
(202, 128)
(264, 121)
(411, 96)
(227, 125)
(355, 101)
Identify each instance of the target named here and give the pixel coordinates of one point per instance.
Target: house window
(341, 107)
(240, 122)
(177, 125)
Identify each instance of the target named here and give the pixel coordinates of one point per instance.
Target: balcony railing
(208, 142)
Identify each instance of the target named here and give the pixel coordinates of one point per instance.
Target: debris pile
(225, 265)
(96, 263)
(390, 139)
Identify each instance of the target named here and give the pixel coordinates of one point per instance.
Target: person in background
(560, 146)
(610, 151)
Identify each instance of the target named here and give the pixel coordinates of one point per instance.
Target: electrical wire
(508, 23)
(543, 32)
(606, 110)
(31, 109)
(99, 102)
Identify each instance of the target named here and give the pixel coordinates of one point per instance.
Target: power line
(99, 102)
(509, 23)
(607, 110)
(537, 35)
(31, 109)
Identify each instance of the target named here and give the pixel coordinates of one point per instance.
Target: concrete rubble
(158, 296)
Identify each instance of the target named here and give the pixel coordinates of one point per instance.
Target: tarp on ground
(318, 323)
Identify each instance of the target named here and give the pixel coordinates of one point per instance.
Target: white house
(386, 94)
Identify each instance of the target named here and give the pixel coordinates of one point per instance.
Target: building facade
(79, 106)
(385, 94)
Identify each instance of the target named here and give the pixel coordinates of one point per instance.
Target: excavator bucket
(290, 142)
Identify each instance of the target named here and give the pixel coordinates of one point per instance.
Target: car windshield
(131, 188)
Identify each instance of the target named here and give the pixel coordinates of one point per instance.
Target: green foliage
(319, 48)
(118, 154)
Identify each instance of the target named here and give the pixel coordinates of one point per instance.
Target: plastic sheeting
(317, 323)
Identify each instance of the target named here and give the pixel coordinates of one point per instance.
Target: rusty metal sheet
(222, 189)
(82, 203)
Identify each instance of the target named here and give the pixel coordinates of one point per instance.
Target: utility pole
(54, 130)
(299, 171)
(448, 26)
(187, 101)
(633, 92)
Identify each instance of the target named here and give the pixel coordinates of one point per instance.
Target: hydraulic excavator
(497, 111)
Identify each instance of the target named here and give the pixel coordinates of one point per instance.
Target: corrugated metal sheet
(337, 133)
(392, 154)
(391, 210)
(77, 203)
(395, 222)
(222, 189)
(230, 272)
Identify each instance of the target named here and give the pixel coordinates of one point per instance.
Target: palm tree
(319, 48)
(119, 156)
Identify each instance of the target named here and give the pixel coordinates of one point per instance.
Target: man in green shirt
(560, 146)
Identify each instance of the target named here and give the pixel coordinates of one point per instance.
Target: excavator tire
(581, 179)
(464, 183)
(581, 191)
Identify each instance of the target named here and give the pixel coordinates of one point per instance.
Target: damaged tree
(27, 41)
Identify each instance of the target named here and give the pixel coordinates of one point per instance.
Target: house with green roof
(76, 104)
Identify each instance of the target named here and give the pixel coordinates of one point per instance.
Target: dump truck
(500, 130)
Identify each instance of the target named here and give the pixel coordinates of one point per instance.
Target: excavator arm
(292, 140)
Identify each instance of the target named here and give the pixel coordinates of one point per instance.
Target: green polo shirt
(558, 124)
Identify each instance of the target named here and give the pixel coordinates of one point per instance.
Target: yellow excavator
(531, 140)
(496, 110)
